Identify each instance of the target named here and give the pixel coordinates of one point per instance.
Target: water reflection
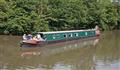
(91, 54)
(63, 56)
(30, 51)
(107, 66)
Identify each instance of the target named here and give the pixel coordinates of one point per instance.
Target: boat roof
(54, 32)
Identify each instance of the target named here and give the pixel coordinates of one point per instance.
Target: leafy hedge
(23, 16)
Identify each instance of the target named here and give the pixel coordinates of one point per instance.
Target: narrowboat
(58, 36)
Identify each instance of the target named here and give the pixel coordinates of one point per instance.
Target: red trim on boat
(32, 42)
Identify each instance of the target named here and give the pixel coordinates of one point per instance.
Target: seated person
(35, 38)
(39, 37)
(24, 37)
(29, 37)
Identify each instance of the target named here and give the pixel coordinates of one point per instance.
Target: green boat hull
(71, 35)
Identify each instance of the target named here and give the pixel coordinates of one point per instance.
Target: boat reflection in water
(47, 50)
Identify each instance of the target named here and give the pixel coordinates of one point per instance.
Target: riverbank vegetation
(23, 16)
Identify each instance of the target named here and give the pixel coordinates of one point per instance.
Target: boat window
(76, 34)
(65, 35)
(70, 35)
(86, 33)
(53, 37)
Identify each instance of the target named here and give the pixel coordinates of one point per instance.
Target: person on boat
(34, 38)
(29, 37)
(97, 31)
(24, 37)
(39, 37)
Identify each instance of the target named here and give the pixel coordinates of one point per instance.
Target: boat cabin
(67, 35)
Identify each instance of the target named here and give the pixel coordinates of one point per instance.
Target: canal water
(100, 53)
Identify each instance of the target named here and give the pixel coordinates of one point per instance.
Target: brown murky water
(92, 54)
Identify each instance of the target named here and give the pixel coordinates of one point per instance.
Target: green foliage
(24, 16)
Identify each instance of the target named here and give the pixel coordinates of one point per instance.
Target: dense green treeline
(23, 16)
